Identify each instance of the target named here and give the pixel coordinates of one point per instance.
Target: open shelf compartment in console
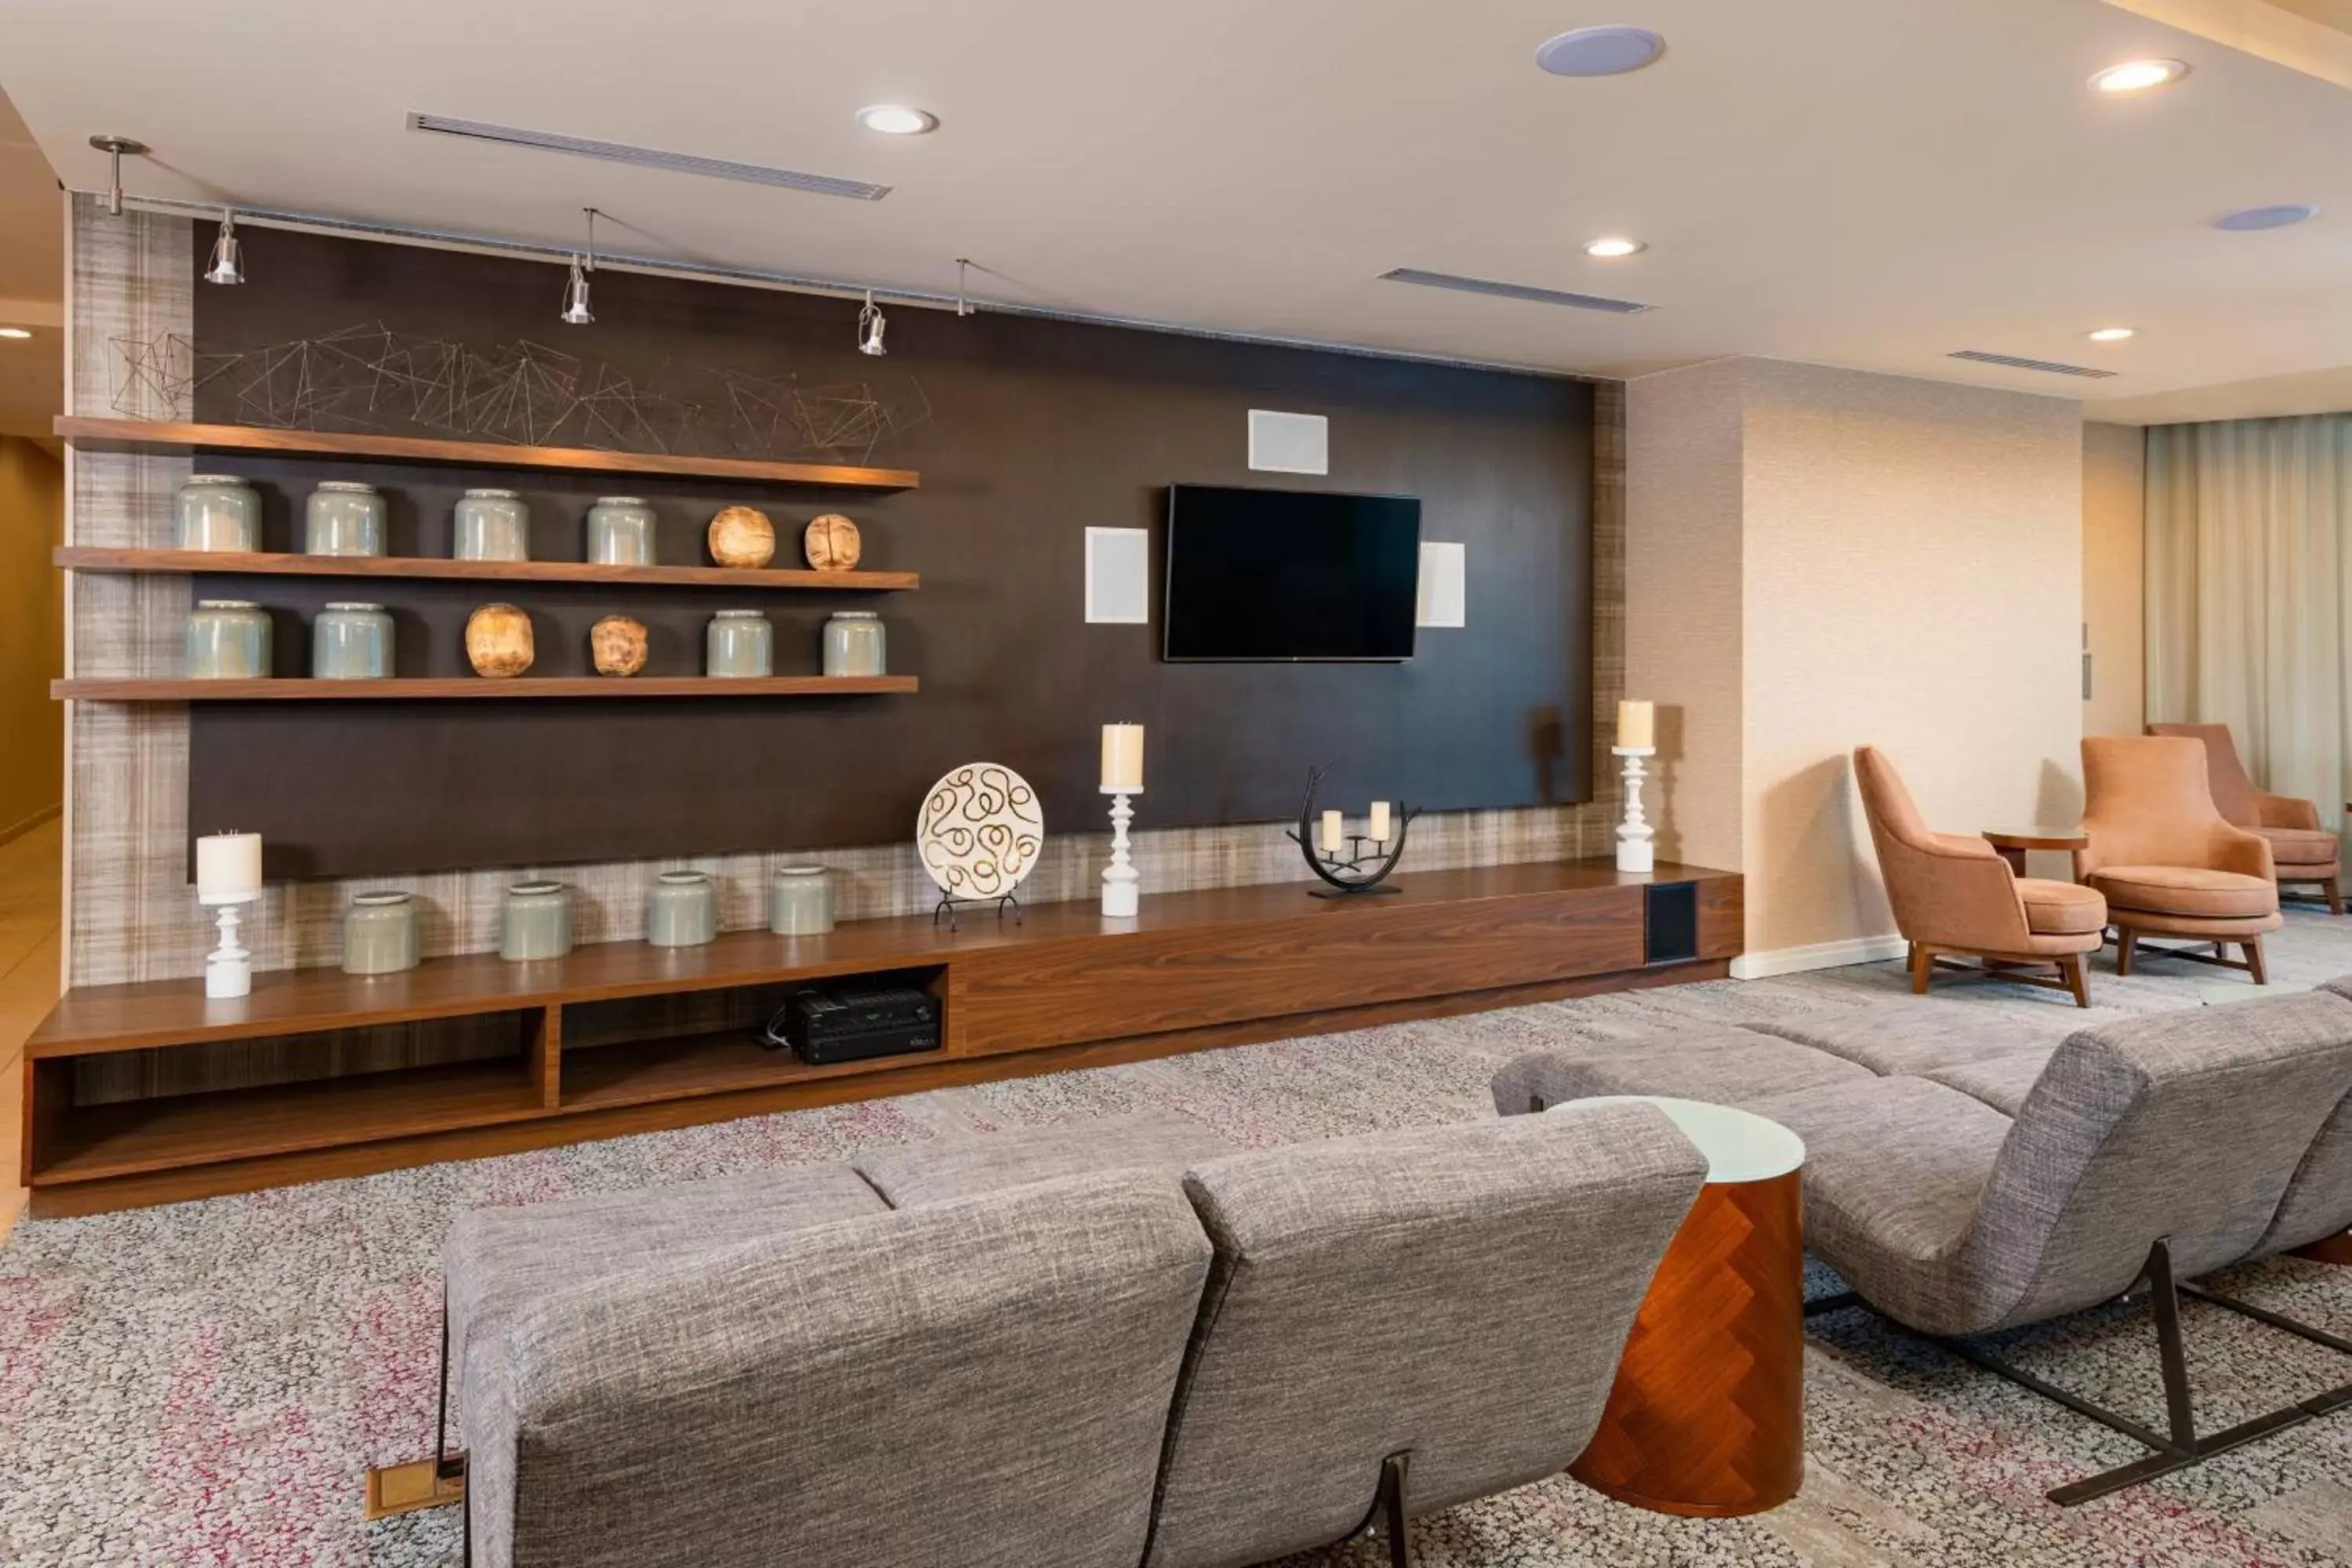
(641, 1049)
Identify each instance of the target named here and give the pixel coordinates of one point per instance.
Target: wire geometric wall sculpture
(369, 377)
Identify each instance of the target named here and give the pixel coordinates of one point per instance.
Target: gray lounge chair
(1992, 1188)
(1062, 1350)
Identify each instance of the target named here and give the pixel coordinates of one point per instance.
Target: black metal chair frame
(1389, 1514)
(2182, 1445)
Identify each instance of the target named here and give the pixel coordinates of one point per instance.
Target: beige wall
(1914, 582)
(2115, 598)
(1909, 564)
(1683, 624)
(32, 512)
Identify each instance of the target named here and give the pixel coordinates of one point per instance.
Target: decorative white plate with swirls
(980, 830)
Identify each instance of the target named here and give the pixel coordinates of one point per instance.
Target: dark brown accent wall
(1036, 429)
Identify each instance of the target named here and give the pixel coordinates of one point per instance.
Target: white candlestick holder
(1634, 850)
(228, 968)
(1120, 877)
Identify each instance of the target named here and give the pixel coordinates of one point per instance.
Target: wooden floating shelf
(239, 562)
(472, 686)
(155, 435)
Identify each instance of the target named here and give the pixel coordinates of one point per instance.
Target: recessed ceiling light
(2139, 76)
(897, 119)
(1599, 52)
(2111, 334)
(2252, 220)
(13, 332)
(1608, 249)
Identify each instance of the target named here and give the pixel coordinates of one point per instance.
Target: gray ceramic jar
(681, 909)
(229, 639)
(535, 921)
(219, 512)
(621, 532)
(351, 642)
(344, 517)
(853, 644)
(380, 935)
(800, 901)
(740, 644)
(491, 525)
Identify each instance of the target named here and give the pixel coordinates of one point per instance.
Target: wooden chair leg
(2078, 978)
(1923, 965)
(2253, 948)
(2126, 940)
(2333, 892)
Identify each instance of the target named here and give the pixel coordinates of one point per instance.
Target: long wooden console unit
(623, 1038)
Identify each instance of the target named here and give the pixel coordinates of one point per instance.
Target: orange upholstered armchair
(2165, 858)
(1956, 895)
(2302, 852)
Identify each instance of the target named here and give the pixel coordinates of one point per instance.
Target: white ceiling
(1862, 182)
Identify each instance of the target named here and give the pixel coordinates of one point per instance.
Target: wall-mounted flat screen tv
(1290, 574)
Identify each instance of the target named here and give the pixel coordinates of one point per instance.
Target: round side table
(1707, 1418)
(2014, 842)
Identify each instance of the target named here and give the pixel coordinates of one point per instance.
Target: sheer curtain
(2249, 592)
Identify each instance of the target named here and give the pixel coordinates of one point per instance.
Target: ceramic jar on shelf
(218, 511)
(344, 517)
(681, 909)
(800, 901)
(535, 921)
(491, 525)
(621, 532)
(229, 639)
(380, 935)
(740, 644)
(351, 642)
(853, 644)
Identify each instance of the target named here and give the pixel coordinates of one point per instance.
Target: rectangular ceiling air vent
(2049, 367)
(1514, 291)
(650, 158)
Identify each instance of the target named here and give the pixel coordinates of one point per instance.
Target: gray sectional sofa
(1966, 1176)
(1099, 1346)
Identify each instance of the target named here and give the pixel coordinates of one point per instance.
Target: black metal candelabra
(1365, 868)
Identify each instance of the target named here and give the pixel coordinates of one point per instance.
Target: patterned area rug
(206, 1384)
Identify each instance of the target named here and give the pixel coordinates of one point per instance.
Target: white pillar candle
(1332, 833)
(1122, 759)
(1379, 830)
(1637, 725)
(228, 868)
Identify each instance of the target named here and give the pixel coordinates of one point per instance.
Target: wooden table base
(2336, 1249)
(1707, 1418)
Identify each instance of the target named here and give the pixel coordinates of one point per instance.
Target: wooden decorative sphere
(498, 641)
(618, 644)
(742, 536)
(832, 543)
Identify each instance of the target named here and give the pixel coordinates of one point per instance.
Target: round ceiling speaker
(2254, 220)
(1600, 51)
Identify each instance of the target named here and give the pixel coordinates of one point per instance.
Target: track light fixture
(869, 327)
(963, 302)
(227, 265)
(575, 310)
(114, 147)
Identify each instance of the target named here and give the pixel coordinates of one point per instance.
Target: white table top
(1739, 1145)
